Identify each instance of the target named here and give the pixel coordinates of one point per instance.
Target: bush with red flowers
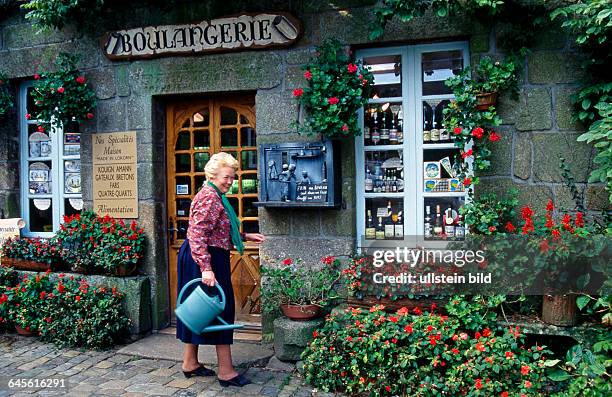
(24, 303)
(371, 352)
(64, 95)
(33, 249)
(336, 89)
(100, 244)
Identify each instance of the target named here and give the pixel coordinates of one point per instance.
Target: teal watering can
(199, 310)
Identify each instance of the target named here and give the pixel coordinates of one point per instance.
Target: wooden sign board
(240, 32)
(115, 174)
(9, 228)
(311, 192)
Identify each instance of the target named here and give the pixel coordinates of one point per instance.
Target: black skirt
(188, 269)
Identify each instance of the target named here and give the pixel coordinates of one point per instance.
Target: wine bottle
(370, 231)
(380, 230)
(367, 140)
(384, 130)
(438, 229)
(428, 228)
(375, 133)
(399, 226)
(389, 224)
(459, 229)
(369, 182)
(449, 223)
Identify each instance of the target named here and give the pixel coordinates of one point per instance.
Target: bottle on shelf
(449, 223)
(428, 227)
(375, 132)
(427, 121)
(370, 231)
(367, 138)
(399, 225)
(459, 229)
(390, 224)
(400, 126)
(384, 130)
(393, 131)
(380, 230)
(369, 182)
(438, 229)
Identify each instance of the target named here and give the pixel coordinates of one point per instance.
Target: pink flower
(90, 115)
(492, 229)
(41, 128)
(298, 92)
(307, 75)
(28, 116)
(36, 76)
(345, 127)
(333, 100)
(61, 90)
(352, 68)
(527, 384)
(80, 79)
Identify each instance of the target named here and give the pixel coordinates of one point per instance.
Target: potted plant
(336, 89)
(300, 292)
(25, 302)
(31, 254)
(491, 78)
(64, 96)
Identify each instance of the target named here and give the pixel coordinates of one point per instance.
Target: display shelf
(383, 195)
(444, 194)
(384, 100)
(448, 145)
(375, 148)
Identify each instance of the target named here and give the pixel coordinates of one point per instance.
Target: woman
(213, 230)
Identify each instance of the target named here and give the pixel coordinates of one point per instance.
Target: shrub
(39, 250)
(25, 301)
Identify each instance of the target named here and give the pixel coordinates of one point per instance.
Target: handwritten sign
(224, 34)
(9, 228)
(115, 174)
(311, 192)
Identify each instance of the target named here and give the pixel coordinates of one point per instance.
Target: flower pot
(24, 332)
(559, 310)
(301, 312)
(125, 270)
(22, 264)
(486, 100)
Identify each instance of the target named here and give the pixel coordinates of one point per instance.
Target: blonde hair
(218, 161)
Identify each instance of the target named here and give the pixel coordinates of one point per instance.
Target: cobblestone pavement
(108, 373)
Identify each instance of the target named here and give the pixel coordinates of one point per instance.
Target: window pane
(31, 106)
(182, 226)
(247, 137)
(72, 183)
(234, 202)
(229, 138)
(182, 207)
(384, 124)
(200, 160)
(384, 218)
(387, 71)
(41, 215)
(201, 118)
(200, 180)
(183, 185)
(201, 140)
(249, 160)
(249, 183)
(442, 218)
(248, 209)
(384, 171)
(437, 67)
(434, 128)
(72, 206)
(39, 177)
(39, 143)
(183, 142)
(250, 227)
(440, 170)
(228, 116)
(183, 163)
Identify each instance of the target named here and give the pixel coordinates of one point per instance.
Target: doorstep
(164, 346)
(240, 335)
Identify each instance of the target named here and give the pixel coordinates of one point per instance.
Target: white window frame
(57, 158)
(413, 194)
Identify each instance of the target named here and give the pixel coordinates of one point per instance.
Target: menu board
(311, 192)
(115, 174)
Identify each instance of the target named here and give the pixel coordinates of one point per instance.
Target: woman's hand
(208, 278)
(255, 237)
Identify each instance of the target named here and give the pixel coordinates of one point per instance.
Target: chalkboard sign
(311, 193)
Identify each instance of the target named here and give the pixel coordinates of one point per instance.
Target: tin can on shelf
(435, 135)
(426, 136)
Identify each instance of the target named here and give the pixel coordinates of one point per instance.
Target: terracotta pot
(486, 100)
(125, 270)
(560, 310)
(301, 312)
(22, 264)
(23, 332)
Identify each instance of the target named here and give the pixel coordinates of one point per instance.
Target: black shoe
(237, 380)
(200, 371)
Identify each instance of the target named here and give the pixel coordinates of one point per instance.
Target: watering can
(199, 310)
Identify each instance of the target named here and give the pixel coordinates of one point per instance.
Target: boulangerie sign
(239, 32)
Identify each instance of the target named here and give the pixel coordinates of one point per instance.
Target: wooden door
(196, 129)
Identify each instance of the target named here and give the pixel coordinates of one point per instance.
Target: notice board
(115, 174)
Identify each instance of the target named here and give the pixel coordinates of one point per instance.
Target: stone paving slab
(121, 372)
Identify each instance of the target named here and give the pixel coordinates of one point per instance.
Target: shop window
(406, 171)
(50, 172)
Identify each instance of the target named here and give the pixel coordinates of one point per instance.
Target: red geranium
(307, 75)
(298, 92)
(333, 100)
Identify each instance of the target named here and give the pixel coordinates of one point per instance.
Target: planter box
(22, 264)
(391, 306)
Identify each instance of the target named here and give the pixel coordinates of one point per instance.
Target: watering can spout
(200, 310)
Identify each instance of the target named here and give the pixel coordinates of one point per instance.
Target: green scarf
(234, 221)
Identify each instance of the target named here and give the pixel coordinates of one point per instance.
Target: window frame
(57, 172)
(412, 95)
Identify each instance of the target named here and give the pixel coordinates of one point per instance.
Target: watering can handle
(195, 280)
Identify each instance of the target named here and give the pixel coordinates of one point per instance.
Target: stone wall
(131, 96)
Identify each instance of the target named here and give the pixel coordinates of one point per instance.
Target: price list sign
(115, 174)
(311, 192)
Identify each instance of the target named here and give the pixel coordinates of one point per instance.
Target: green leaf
(551, 363)
(559, 376)
(582, 301)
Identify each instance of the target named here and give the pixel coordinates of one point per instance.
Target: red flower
(28, 116)
(3, 298)
(432, 341)
(477, 132)
(80, 79)
(525, 369)
(455, 350)
(526, 212)
(550, 206)
(509, 354)
(36, 76)
(352, 68)
(345, 127)
(457, 130)
(307, 75)
(417, 311)
(388, 388)
(467, 181)
(556, 234)
(480, 347)
(77, 298)
(492, 229)
(494, 137)
(504, 394)
(41, 128)
(90, 115)
(486, 332)
(287, 261)
(478, 384)
(477, 335)
(333, 100)
(579, 219)
(298, 92)
(527, 384)
(393, 319)
(510, 227)
(467, 154)
(315, 333)
(43, 294)
(408, 329)
(61, 90)
(60, 288)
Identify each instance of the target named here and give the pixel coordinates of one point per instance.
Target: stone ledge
(292, 337)
(137, 292)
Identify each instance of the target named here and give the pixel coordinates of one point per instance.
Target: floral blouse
(208, 226)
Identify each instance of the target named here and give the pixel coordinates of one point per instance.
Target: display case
(303, 174)
(408, 166)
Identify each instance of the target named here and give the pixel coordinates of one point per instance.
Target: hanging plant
(337, 88)
(64, 95)
(6, 99)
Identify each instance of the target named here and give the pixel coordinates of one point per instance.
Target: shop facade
(183, 108)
